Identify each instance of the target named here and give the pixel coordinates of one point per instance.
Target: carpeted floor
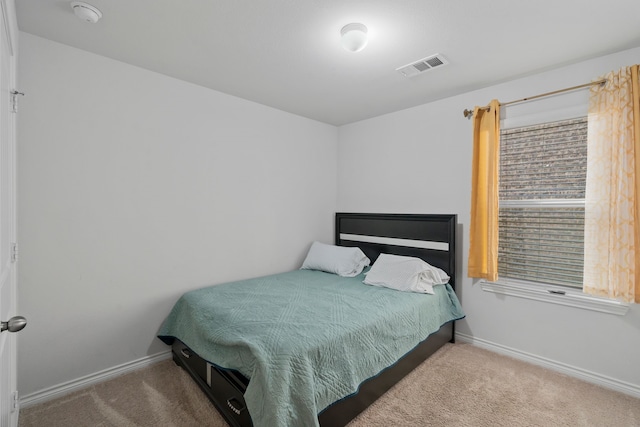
(461, 385)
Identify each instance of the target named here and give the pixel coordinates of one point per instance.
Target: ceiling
(287, 53)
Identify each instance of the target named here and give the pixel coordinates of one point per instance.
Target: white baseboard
(89, 380)
(588, 376)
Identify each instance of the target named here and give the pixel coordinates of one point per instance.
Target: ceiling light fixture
(354, 37)
(86, 12)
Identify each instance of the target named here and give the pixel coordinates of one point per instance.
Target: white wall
(418, 160)
(134, 188)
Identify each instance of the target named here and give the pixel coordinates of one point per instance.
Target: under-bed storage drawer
(228, 389)
(189, 360)
(224, 387)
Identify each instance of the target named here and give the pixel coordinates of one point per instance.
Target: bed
(311, 348)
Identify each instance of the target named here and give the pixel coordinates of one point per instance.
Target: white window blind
(542, 189)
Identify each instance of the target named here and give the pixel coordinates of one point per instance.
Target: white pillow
(404, 273)
(341, 260)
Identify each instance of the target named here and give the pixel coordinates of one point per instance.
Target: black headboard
(429, 237)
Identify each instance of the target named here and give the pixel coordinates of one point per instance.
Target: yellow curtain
(612, 202)
(483, 228)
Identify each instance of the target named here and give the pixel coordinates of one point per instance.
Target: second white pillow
(408, 274)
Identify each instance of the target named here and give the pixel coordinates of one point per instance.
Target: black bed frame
(374, 234)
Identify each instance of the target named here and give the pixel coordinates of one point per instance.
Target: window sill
(556, 295)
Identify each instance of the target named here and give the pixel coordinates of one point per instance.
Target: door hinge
(14, 252)
(14, 100)
(15, 402)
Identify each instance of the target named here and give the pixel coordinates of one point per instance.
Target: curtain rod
(469, 113)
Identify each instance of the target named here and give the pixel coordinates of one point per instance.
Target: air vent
(425, 64)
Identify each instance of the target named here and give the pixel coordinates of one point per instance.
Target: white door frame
(9, 408)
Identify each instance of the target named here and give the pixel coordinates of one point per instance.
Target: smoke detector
(86, 12)
(425, 64)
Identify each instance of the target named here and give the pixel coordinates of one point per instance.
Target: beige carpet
(460, 385)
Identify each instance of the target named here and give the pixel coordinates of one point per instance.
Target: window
(543, 171)
(542, 189)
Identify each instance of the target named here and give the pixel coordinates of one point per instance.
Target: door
(8, 46)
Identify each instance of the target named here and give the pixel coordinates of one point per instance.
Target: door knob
(15, 324)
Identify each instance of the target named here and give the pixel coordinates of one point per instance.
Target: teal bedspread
(305, 338)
